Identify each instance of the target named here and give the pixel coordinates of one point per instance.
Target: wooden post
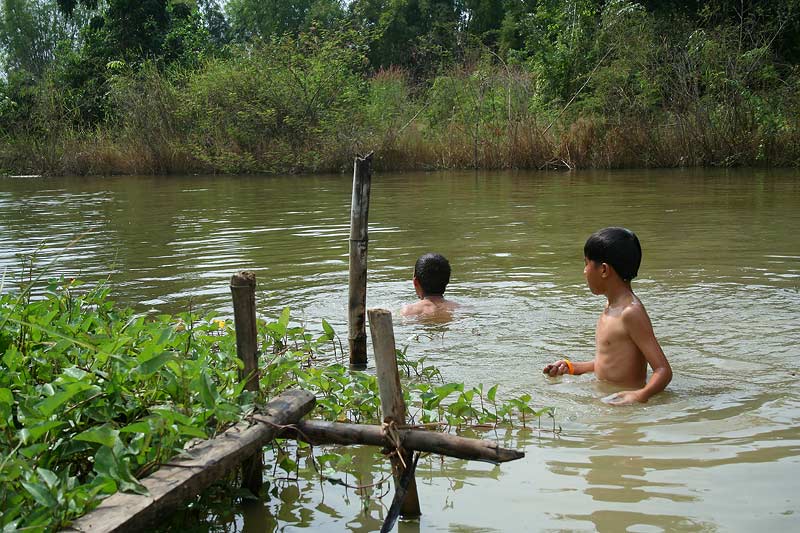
(393, 406)
(196, 469)
(357, 304)
(243, 289)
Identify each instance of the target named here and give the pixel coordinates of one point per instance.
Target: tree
(485, 19)
(126, 35)
(30, 32)
(558, 43)
(219, 30)
(270, 18)
(402, 30)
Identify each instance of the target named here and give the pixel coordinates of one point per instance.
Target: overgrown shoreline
(617, 84)
(93, 397)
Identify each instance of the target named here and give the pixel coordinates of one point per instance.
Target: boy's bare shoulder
(450, 305)
(634, 315)
(425, 307)
(414, 309)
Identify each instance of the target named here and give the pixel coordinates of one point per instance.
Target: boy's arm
(561, 367)
(638, 326)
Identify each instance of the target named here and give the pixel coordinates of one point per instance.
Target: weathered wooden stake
(359, 211)
(243, 289)
(393, 406)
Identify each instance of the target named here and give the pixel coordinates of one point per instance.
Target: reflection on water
(719, 451)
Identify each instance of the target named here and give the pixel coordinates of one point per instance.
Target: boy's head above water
(617, 247)
(432, 273)
(431, 276)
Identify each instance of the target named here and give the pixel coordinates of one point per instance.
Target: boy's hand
(627, 397)
(557, 368)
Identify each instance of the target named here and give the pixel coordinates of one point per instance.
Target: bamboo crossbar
(322, 432)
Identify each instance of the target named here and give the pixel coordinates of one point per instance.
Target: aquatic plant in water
(93, 397)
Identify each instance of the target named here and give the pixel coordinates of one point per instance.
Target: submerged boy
(624, 340)
(431, 276)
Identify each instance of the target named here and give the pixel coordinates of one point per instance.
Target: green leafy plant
(94, 397)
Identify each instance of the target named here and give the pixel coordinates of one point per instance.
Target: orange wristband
(570, 368)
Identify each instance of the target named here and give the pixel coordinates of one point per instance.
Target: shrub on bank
(627, 89)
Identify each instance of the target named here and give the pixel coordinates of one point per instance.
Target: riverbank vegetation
(245, 86)
(93, 397)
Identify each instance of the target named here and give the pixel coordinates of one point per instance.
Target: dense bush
(278, 106)
(555, 84)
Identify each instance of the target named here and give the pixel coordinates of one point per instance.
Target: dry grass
(587, 142)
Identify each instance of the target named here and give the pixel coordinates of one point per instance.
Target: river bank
(587, 143)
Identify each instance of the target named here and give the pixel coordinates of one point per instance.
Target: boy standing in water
(624, 340)
(431, 276)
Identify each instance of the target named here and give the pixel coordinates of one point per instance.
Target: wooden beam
(321, 432)
(393, 406)
(359, 238)
(194, 470)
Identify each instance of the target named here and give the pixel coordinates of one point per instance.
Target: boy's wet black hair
(619, 247)
(433, 273)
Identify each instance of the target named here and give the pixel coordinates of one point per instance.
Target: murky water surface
(720, 451)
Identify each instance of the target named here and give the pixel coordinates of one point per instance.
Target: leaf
(103, 435)
(192, 431)
(208, 392)
(50, 404)
(107, 463)
(12, 358)
(33, 450)
(165, 335)
(288, 465)
(153, 364)
(40, 494)
(284, 319)
(173, 416)
(137, 427)
(6, 397)
(278, 329)
(344, 461)
(492, 393)
(48, 477)
(31, 434)
(328, 329)
(445, 390)
(327, 458)
(75, 373)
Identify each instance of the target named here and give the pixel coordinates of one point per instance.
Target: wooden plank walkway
(188, 474)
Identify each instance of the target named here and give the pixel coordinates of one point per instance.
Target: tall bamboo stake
(243, 290)
(357, 304)
(393, 406)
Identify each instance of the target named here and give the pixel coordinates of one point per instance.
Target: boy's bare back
(429, 308)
